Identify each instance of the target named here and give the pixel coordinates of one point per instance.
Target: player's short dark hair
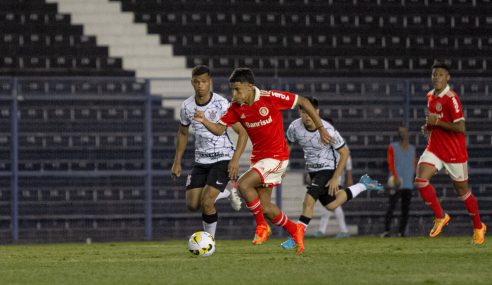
(200, 69)
(243, 75)
(439, 63)
(313, 100)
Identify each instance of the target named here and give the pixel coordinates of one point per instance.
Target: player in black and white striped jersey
(216, 158)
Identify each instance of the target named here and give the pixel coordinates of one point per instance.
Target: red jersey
(263, 122)
(449, 146)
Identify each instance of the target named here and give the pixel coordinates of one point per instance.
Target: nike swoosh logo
(218, 182)
(312, 184)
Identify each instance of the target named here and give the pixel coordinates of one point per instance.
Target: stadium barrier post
(148, 161)
(14, 159)
(406, 109)
(278, 202)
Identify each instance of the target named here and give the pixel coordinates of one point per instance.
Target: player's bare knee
(331, 207)
(193, 207)
(420, 182)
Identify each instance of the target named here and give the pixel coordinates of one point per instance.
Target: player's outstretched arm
(309, 109)
(181, 141)
(216, 129)
(240, 146)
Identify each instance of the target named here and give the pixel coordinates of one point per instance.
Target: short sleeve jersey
(449, 146)
(209, 148)
(263, 122)
(318, 156)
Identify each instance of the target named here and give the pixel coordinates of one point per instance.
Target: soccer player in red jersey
(446, 147)
(259, 113)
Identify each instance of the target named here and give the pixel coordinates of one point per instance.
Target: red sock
(257, 211)
(472, 206)
(429, 196)
(283, 221)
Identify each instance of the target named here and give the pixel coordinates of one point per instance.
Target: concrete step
(84, 8)
(163, 73)
(137, 49)
(143, 62)
(118, 40)
(129, 29)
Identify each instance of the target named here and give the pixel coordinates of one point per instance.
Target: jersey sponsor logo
(264, 111)
(259, 123)
(211, 155)
(243, 116)
(315, 165)
(281, 96)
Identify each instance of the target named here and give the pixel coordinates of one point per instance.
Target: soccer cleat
(438, 225)
(299, 238)
(479, 235)
(288, 244)
(262, 233)
(234, 199)
(342, 235)
(371, 184)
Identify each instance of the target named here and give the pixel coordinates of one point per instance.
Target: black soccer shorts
(317, 188)
(215, 175)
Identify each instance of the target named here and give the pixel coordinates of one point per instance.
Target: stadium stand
(36, 40)
(364, 60)
(349, 37)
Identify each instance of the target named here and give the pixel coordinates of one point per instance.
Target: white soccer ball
(201, 244)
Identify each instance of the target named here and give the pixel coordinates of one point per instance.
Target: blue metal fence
(153, 161)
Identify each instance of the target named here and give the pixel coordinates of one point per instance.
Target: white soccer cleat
(234, 199)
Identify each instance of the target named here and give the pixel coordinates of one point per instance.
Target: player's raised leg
(330, 202)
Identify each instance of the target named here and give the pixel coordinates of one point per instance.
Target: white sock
(341, 219)
(210, 228)
(224, 194)
(356, 189)
(324, 220)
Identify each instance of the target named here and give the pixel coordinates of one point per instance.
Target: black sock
(305, 220)
(349, 193)
(210, 218)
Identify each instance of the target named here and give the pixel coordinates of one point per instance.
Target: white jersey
(209, 148)
(318, 156)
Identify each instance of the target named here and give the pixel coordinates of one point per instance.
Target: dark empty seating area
(36, 40)
(320, 38)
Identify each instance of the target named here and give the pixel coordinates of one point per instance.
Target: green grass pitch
(358, 260)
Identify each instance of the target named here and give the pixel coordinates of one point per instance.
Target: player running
(325, 165)
(216, 161)
(259, 113)
(446, 147)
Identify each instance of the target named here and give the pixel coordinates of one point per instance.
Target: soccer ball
(201, 244)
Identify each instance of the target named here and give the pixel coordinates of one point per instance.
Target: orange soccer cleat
(438, 225)
(299, 238)
(262, 233)
(479, 235)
